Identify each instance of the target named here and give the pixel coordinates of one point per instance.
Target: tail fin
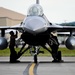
(37, 1)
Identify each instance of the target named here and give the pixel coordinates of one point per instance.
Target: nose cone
(35, 24)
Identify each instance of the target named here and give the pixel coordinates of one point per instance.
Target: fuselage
(35, 22)
(35, 26)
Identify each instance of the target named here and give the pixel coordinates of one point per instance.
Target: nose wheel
(34, 52)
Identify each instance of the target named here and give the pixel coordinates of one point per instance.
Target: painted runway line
(31, 69)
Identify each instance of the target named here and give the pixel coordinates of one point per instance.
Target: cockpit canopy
(35, 10)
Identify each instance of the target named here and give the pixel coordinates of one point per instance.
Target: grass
(65, 52)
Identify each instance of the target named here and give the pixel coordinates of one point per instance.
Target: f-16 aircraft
(36, 30)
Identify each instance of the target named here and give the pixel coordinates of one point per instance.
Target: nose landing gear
(35, 52)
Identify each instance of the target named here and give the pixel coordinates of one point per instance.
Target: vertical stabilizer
(37, 1)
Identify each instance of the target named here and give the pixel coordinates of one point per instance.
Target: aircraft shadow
(38, 62)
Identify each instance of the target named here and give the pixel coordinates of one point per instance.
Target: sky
(57, 11)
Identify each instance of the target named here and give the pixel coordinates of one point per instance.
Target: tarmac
(43, 67)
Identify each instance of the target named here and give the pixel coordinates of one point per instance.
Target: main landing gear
(34, 50)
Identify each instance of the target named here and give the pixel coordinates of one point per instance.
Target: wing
(59, 28)
(11, 27)
(7, 29)
(68, 30)
(63, 30)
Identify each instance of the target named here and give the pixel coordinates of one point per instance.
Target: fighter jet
(36, 30)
